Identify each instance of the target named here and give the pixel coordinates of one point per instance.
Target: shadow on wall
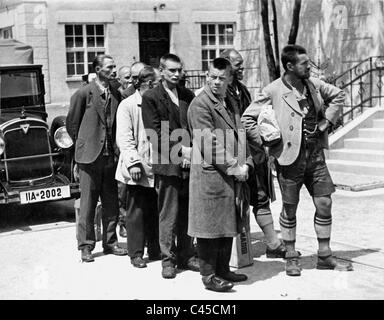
(335, 33)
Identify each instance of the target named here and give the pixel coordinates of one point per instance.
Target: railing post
(370, 82)
(380, 85)
(351, 93)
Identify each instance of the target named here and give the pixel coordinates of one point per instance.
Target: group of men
(184, 167)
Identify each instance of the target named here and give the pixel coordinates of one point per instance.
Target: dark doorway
(154, 42)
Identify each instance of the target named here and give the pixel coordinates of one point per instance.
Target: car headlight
(62, 138)
(2, 144)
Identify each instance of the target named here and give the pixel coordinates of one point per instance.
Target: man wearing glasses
(164, 111)
(304, 108)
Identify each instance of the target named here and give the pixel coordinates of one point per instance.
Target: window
(83, 42)
(215, 38)
(6, 33)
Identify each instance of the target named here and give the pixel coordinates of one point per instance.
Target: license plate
(46, 194)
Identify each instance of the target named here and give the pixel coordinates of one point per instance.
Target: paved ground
(41, 262)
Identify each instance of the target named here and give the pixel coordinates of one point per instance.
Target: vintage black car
(36, 162)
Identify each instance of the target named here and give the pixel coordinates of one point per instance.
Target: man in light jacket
(304, 108)
(135, 170)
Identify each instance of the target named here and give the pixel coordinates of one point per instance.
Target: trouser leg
(151, 222)
(136, 198)
(184, 241)
(110, 202)
(168, 205)
(90, 184)
(224, 255)
(207, 251)
(122, 190)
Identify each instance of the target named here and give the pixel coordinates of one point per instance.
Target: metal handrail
(363, 85)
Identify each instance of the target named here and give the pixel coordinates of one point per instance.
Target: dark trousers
(97, 179)
(172, 194)
(214, 255)
(142, 221)
(122, 190)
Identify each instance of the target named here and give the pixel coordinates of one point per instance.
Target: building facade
(67, 34)
(338, 34)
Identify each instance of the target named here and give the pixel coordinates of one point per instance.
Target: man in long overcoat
(219, 166)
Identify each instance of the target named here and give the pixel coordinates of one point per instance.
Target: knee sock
(265, 222)
(323, 231)
(288, 230)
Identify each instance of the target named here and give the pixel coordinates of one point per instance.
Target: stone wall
(337, 34)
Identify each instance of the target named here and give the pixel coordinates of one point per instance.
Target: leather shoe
(330, 263)
(168, 272)
(215, 283)
(279, 252)
(123, 231)
(116, 250)
(138, 262)
(292, 266)
(86, 255)
(192, 264)
(233, 277)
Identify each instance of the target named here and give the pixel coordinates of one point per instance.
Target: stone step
(378, 123)
(357, 167)
(375, 133)
(357, 155)
(364, 143)
(356, 182)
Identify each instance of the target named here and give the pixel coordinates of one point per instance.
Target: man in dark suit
(164, 111)
(91, 124)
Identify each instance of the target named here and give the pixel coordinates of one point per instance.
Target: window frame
(214, 50)
(84, 49)
(4, 30)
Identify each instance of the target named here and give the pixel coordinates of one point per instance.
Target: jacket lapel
(219, 107)
(98, 103)
(290, 99)
(313, 92)
(167, 101)
(114, 104)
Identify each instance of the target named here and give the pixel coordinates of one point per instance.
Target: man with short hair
(134, 171)
(124, 77)
(164, 111)
(136, 67)
(261, 181)
(91, 124)
(219, 168)
(304, 109)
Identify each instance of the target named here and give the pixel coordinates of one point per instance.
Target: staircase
(359, 165)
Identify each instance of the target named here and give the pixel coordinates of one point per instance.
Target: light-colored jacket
(132, 142)
(328, 100)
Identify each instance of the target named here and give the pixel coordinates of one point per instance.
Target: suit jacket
(130, 90)
(219, 146)
(162, 118)
(86, 121)
(242, 100)
(328, 100)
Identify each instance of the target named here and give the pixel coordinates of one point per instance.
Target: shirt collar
(100, 86)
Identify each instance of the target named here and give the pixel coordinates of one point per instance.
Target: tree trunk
(295, 22)
(276, 39)
(267, 41)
